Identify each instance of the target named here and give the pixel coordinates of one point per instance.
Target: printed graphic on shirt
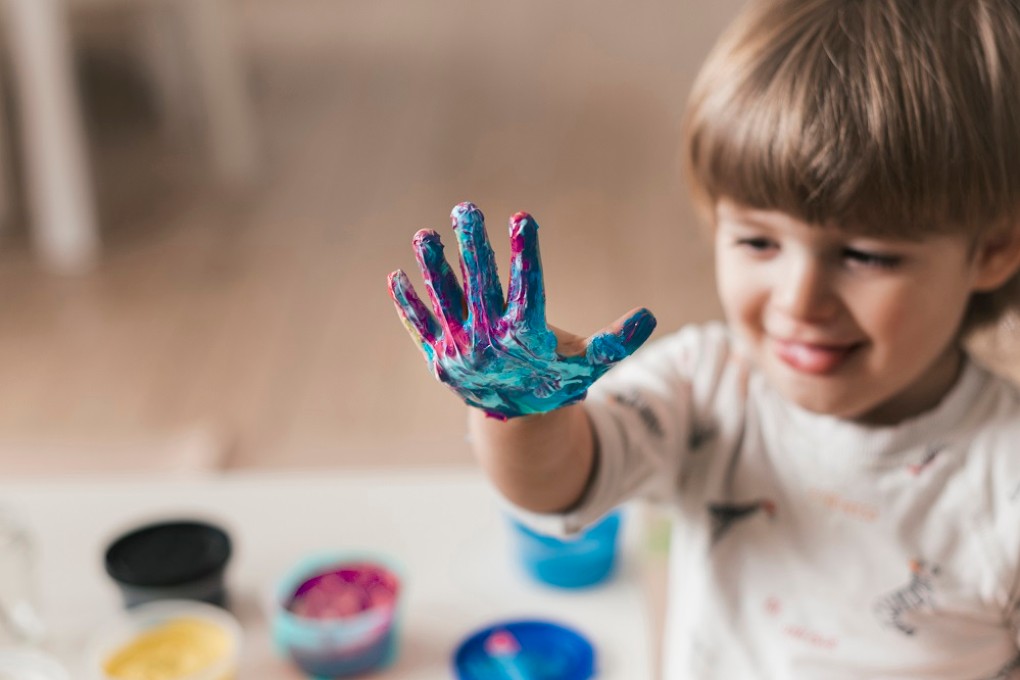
(930, 454)
(724, 515)
(635, 401)
(837, 502)
(918, 595)
(800, 633)
(701, 434)
(810, 637)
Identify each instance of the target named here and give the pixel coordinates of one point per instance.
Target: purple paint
(338, 618)
(345, 591)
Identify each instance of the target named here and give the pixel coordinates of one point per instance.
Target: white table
(444, 526)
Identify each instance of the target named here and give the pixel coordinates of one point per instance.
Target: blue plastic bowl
(577, 562)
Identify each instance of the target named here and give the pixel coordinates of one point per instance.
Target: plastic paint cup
(168, 640)
(576, 562)
(337, 615)
(22, 664)
(173, 560)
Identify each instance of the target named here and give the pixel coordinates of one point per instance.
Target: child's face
(851, 326)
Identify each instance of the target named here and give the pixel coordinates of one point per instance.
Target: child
(844, 478)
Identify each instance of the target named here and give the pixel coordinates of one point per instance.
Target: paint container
(580, 561)
(24, 664)
(167, 640)
(172, 560)
(337, 615)
(539, 650)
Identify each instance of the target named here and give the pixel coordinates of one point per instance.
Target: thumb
(568, 344)
(619, 339)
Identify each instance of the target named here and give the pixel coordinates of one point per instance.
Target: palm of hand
(500, 357)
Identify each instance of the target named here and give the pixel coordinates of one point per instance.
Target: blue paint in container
(544, 651)
(576, 562)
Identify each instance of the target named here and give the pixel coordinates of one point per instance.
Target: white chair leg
(60, 195)
(211, 37)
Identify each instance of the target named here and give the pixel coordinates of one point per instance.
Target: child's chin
(835, 405)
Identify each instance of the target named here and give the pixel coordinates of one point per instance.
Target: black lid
(168, 554)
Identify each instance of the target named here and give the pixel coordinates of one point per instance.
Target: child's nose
(805, 292)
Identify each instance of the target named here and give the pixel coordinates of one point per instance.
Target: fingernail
(520, 222)
(397, 281)
(425, 236)
(639, 326)
(464, 213)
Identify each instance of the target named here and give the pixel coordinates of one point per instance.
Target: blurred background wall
(240, 318)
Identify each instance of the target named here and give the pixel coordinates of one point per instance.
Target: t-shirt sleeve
(646, 417)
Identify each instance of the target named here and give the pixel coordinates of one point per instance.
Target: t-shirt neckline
(856, 444)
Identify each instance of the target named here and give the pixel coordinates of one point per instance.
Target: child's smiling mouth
(812, 358)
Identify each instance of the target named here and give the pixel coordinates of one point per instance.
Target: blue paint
(581, 561)
(505, 652)
(547, 651)
(501, 357)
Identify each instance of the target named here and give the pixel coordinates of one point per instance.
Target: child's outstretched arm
(542, 462)
(503, 359)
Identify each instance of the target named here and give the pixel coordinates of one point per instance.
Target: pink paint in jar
(337, 615)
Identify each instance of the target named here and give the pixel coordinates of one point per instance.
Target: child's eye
(757, 244)
(869, 259)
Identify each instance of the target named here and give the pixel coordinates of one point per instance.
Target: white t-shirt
(805, 546)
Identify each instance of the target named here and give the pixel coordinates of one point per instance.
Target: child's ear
(997, 258)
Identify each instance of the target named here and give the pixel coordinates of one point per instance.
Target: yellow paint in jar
(172, 650)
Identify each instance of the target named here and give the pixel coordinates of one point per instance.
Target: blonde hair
(897, 118)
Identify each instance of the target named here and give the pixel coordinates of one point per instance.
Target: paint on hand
(501, 356)
(178, 648)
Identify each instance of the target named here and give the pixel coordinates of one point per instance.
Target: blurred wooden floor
(260, 317)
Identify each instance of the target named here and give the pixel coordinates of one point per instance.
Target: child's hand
(502, 358)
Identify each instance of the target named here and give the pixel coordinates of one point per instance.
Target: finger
(412, 311)
(526, 297)
(621, 338)
(481, 281)
(441, 283)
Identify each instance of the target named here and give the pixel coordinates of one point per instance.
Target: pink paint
(344, 591)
